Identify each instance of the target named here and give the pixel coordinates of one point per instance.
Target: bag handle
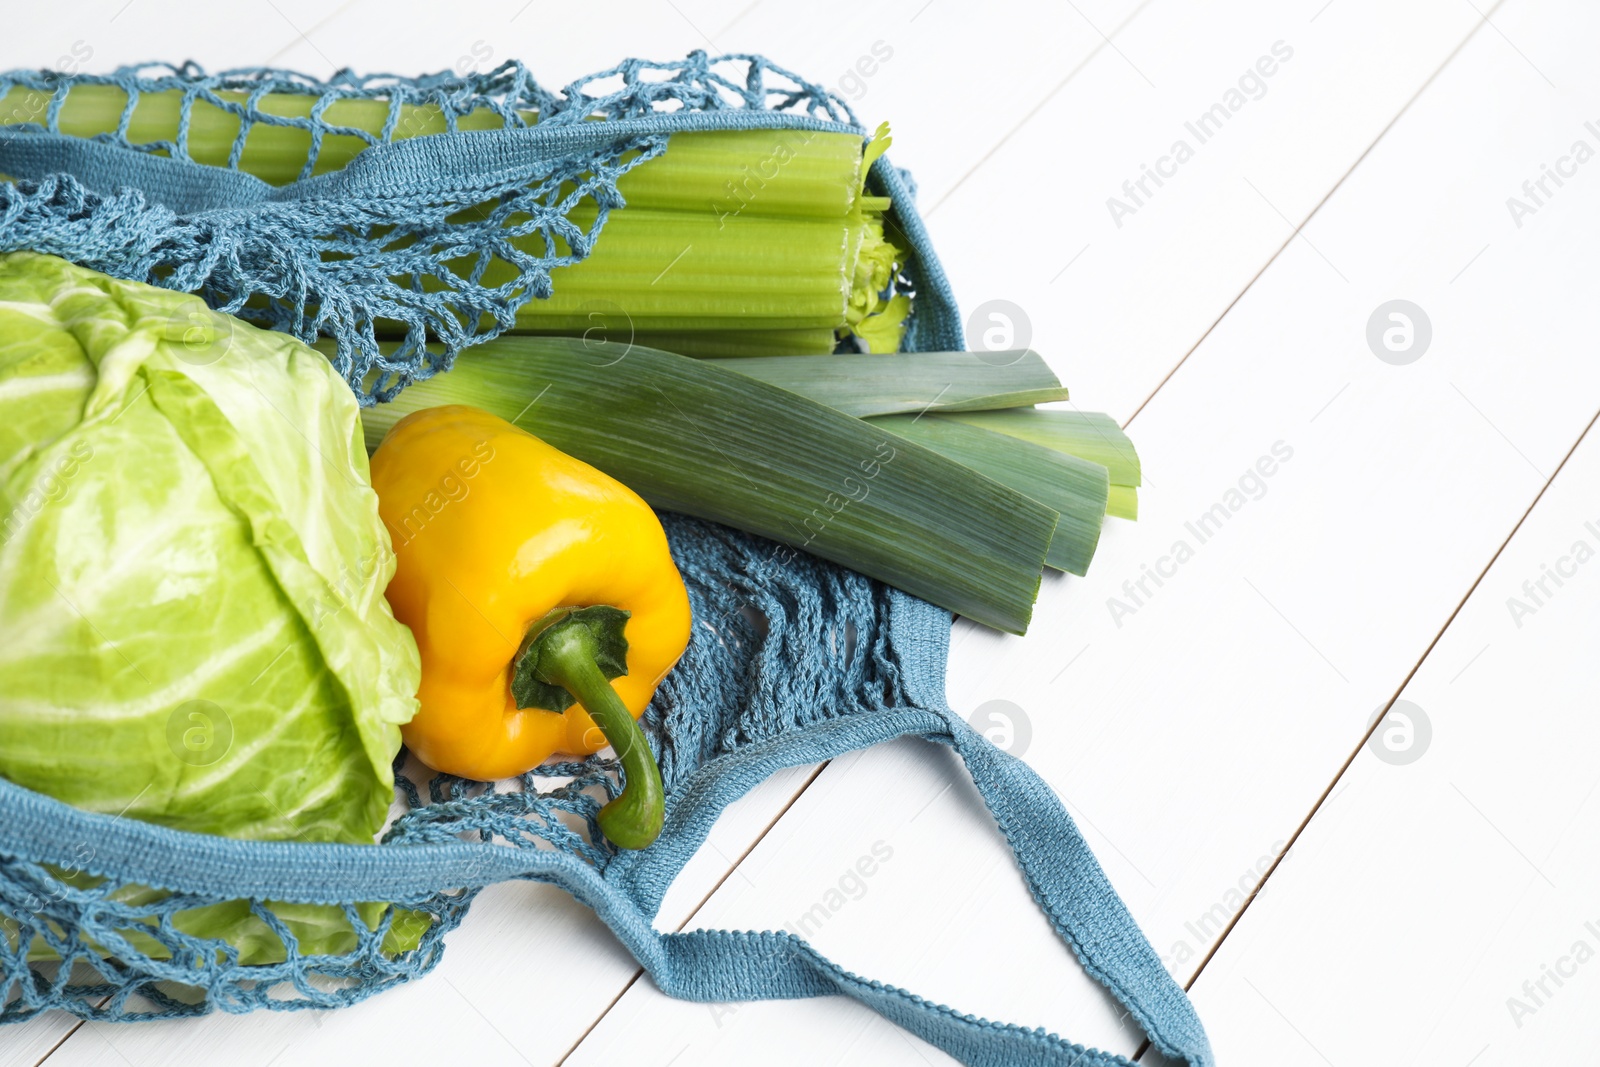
(1066, 881)
(1060, 870)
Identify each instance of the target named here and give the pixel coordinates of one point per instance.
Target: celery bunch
(740, 242)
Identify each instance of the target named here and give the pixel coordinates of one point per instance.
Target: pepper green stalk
(574, 658)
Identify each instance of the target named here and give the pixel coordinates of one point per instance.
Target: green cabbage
(193, 630)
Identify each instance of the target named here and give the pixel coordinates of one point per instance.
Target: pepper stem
(574, 654)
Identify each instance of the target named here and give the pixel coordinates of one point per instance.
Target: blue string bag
(763, 685)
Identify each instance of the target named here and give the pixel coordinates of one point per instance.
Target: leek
(912, 382)
(1087, 435)
(691, 436)
(1073, 487)
(1072, 468)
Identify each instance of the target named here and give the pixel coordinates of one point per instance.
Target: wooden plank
(27, 1044)
(557, 42)
(952, 80)
(1461, 884)
(1244, 680)
(95, 37)
(911, 62)
(1107, 299)
(1453, 868)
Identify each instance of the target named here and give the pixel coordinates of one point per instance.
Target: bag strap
(1061, 872)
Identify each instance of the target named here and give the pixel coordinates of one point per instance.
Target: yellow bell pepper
(544, 601)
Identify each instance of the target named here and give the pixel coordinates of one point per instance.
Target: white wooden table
(1328, 901)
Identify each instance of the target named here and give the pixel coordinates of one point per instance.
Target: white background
(1223, 722)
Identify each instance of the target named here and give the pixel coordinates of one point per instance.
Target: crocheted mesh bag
(792, 660)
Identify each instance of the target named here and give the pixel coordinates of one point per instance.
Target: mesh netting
(406, 261)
